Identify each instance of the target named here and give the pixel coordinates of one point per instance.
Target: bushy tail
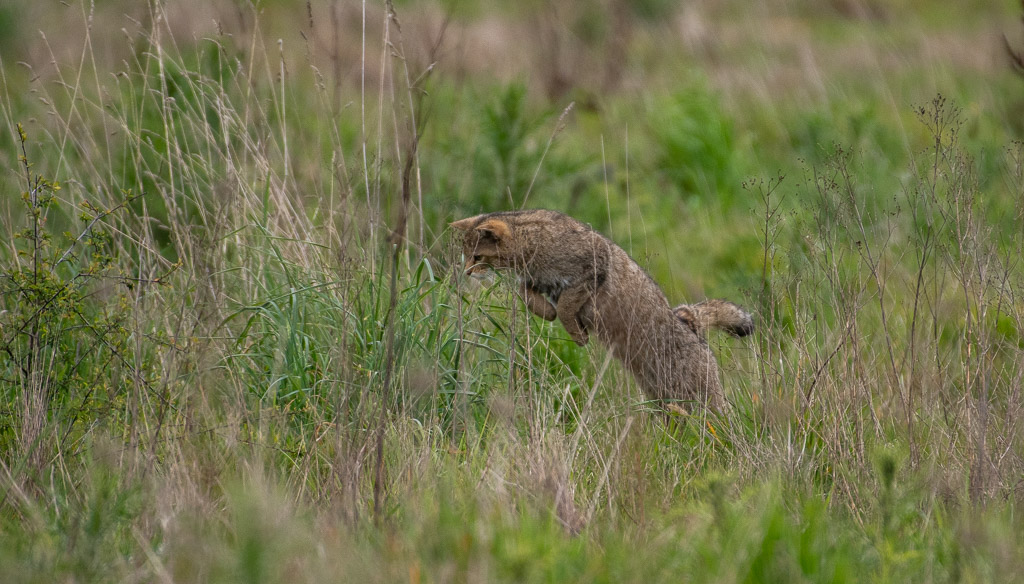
(718, 314)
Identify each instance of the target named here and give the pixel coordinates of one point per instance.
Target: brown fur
(569, 271)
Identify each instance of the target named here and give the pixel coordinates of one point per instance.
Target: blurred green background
(236, 344)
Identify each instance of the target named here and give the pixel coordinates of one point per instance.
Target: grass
(235, 344)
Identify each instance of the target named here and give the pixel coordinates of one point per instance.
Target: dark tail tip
(741, 329)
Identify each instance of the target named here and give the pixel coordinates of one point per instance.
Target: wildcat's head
(484, 244)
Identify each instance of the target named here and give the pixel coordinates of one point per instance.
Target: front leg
(537, 303)
(569, 305)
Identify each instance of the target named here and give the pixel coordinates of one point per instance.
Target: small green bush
(695, 145)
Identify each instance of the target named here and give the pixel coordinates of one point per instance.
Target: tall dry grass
(253, 358)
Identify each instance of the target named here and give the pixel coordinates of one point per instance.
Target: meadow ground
(235, 344)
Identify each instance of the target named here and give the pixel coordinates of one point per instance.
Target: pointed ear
(465, 224)
(495, 229)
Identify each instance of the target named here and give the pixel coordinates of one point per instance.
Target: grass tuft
(236, 343)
